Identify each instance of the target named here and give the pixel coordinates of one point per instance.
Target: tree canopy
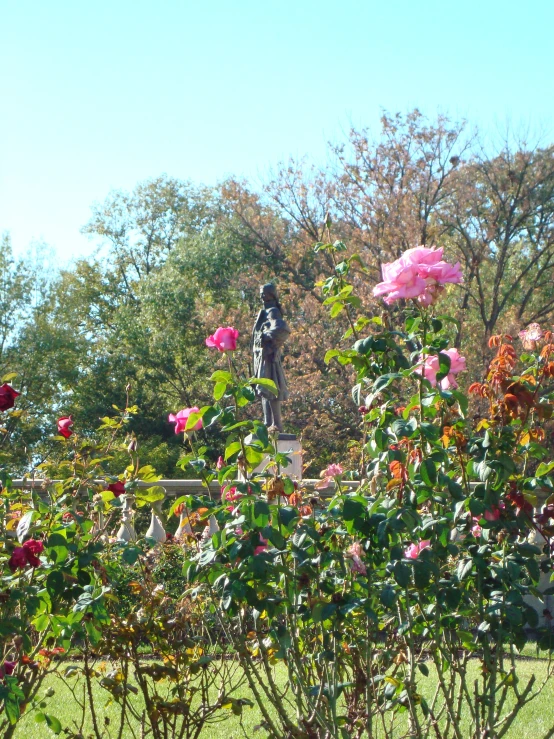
(179, 259)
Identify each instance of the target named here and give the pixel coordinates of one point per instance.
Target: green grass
(533, 722)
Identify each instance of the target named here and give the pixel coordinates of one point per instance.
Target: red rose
(64, 426)
(7, 397)
(18, 560)
(117, 488)
(32, 548)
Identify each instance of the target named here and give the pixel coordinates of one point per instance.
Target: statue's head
(268, 294)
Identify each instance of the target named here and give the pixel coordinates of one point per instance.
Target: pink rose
(328, 475)
(180, 420)
(220, 463)
(431, 367)
(443, 272)
(224, 339)
(231, 495)
(64, 426)
(476, 530)
(400, 280)
(412, 552)
(117, 488)
(423, 255)
(7, 397)
(419, 273)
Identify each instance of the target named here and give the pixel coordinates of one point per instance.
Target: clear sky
(99, 95)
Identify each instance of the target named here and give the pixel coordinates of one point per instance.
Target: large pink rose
(7, 397)
(419, 273)
(180, 420)
(442, 272)
(224, 339)
(400, 280)
(420, 255)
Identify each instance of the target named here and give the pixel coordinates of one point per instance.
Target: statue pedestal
(287, 444)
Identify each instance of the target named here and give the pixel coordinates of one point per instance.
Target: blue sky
(100, 95)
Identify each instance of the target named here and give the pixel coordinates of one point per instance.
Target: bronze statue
(269, 334)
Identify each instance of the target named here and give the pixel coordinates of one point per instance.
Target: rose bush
(429, 563)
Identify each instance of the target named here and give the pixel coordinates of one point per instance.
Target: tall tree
(501, 222)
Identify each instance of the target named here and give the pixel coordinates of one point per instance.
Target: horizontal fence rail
(186, 487)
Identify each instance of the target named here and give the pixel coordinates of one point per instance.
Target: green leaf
(150, 495)
(381, 439)
(261, 513)
(131, 554)
(210, 415)
(53, 723)
(428, 472)
(253, 456)
(444, 366)
(264, 382)
(275, 537)
(330, 354)
(42, 622)
(219, 390)
(402, 428)
(344, 293)
(287, 516)
(352, 509)
(464, 568)
(544, 469)
(336, 308)
(388, 596)
(25, 524)
(232, 449)
(401, 574)
(222, 376)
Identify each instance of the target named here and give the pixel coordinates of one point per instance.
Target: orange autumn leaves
(513, 397)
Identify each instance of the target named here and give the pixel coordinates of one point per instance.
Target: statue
(269, 334)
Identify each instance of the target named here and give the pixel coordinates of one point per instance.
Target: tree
(500, 218)
(143, 227)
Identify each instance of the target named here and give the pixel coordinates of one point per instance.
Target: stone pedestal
(287, 444)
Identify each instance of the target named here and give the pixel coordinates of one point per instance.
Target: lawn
(534, 721)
